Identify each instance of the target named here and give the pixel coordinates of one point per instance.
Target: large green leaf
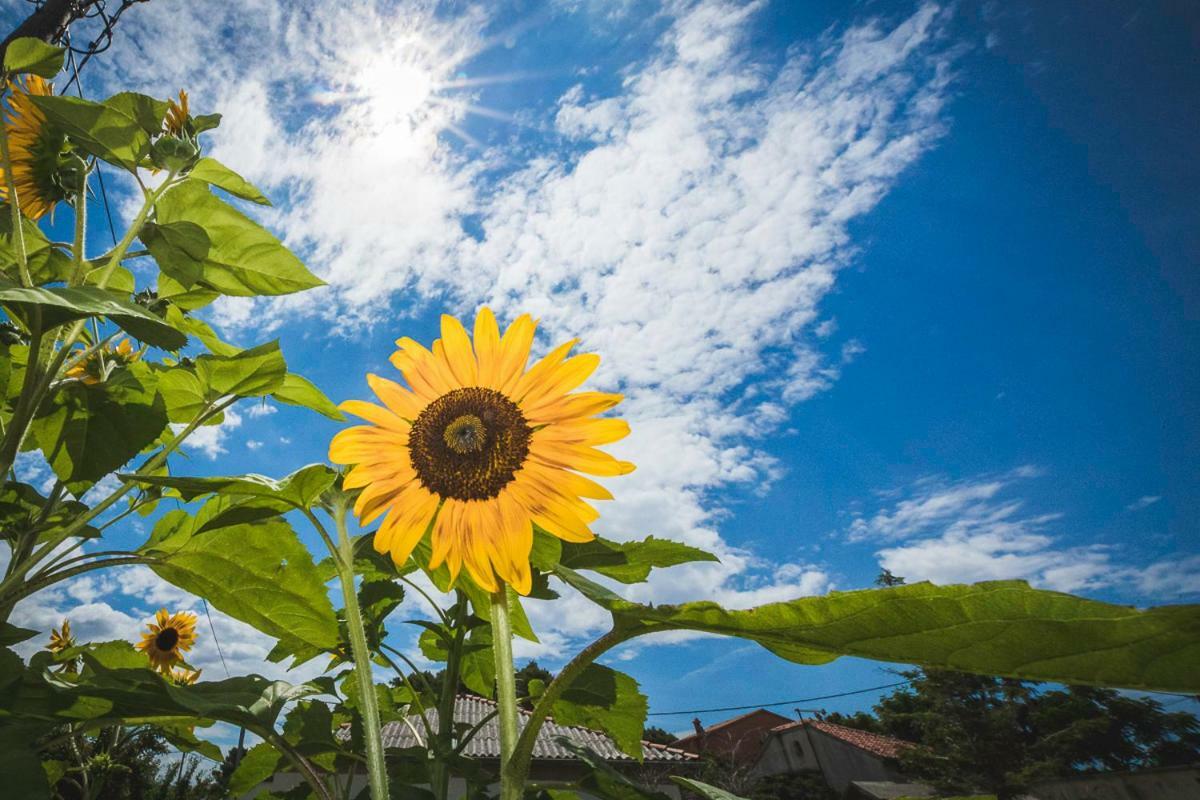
(605, 699)
(30, 54)
(61, 305)
(250, 373)
(86, 432)
(297, 390)
(997, 628)
(302, 489)
(248, 562)
(47, 263)
(242, 258)
(107, 132)
(214, 172)
(257, 765)
(629, 562)
(23, 509)
(704, 790)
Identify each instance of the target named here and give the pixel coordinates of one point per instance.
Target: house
(739, 740)
(552, 762)
(842, 755)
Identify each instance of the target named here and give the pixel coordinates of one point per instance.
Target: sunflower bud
(174, 153)
(71, 173)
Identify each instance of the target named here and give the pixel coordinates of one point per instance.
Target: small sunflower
(167, 638)
(34, 147)
(175, 122)
(96, 367)
(184, 677)
(60, 641)
(479, 450)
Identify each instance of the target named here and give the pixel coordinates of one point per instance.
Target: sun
(395, 90)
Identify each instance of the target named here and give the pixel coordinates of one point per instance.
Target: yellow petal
(487, 347)
(456, 347)
(560, 379)
(400, 401)
(514, 353)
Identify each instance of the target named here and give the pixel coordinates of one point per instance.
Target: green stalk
(523, 751)
(372, 730)
(439, 769)
(512, 781)
(77, 251)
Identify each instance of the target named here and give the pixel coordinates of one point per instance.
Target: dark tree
(531, 671)
(996, 735)
(886, 579)
(658, 735)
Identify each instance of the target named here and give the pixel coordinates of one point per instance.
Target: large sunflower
(479, 450)
(34, 146)
(167, 638)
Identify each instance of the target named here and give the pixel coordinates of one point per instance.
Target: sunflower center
(469, 443)
(167, 639)
(465, 434)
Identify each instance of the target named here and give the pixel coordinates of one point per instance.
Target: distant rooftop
(874, 743)
(471, 709)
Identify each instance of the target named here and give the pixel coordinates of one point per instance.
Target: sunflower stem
(372, 732)
(77, 249)
(511, 780)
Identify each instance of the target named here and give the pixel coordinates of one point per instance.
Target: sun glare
(395, 90)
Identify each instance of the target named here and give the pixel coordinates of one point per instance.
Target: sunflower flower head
(479, 449)
(175, 123)
(176, 149)
(168, 638)
(44, 169)
(99, 365)
(61, 640)
(183, 676)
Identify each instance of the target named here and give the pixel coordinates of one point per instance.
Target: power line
(781, 702)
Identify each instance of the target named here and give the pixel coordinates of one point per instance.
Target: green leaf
(256, 570)
(11, 634)
(243, 258)
(47, 263)
(214, 172)
(259, 763)
(20, 763)
(180, 248)
(251, 373)
(86, 432)
(1003, 628)
(629, 562)
(183, 393)
(603, 780)
(302, 489)
(300, 391)
(605, 699)
(704, 790)
(29, 54)
(146, 111)
(194, 326)
(107, 132)
(23, 509)
(61, 305)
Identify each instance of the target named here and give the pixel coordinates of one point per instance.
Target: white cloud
(687, 227)
(1143, 502)
(979, 529)
(259, 410)
(211, 439)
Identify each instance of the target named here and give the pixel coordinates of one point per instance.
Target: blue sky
(887, 284)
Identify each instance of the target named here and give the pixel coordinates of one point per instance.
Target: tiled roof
(875, 743)
(486, 743)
